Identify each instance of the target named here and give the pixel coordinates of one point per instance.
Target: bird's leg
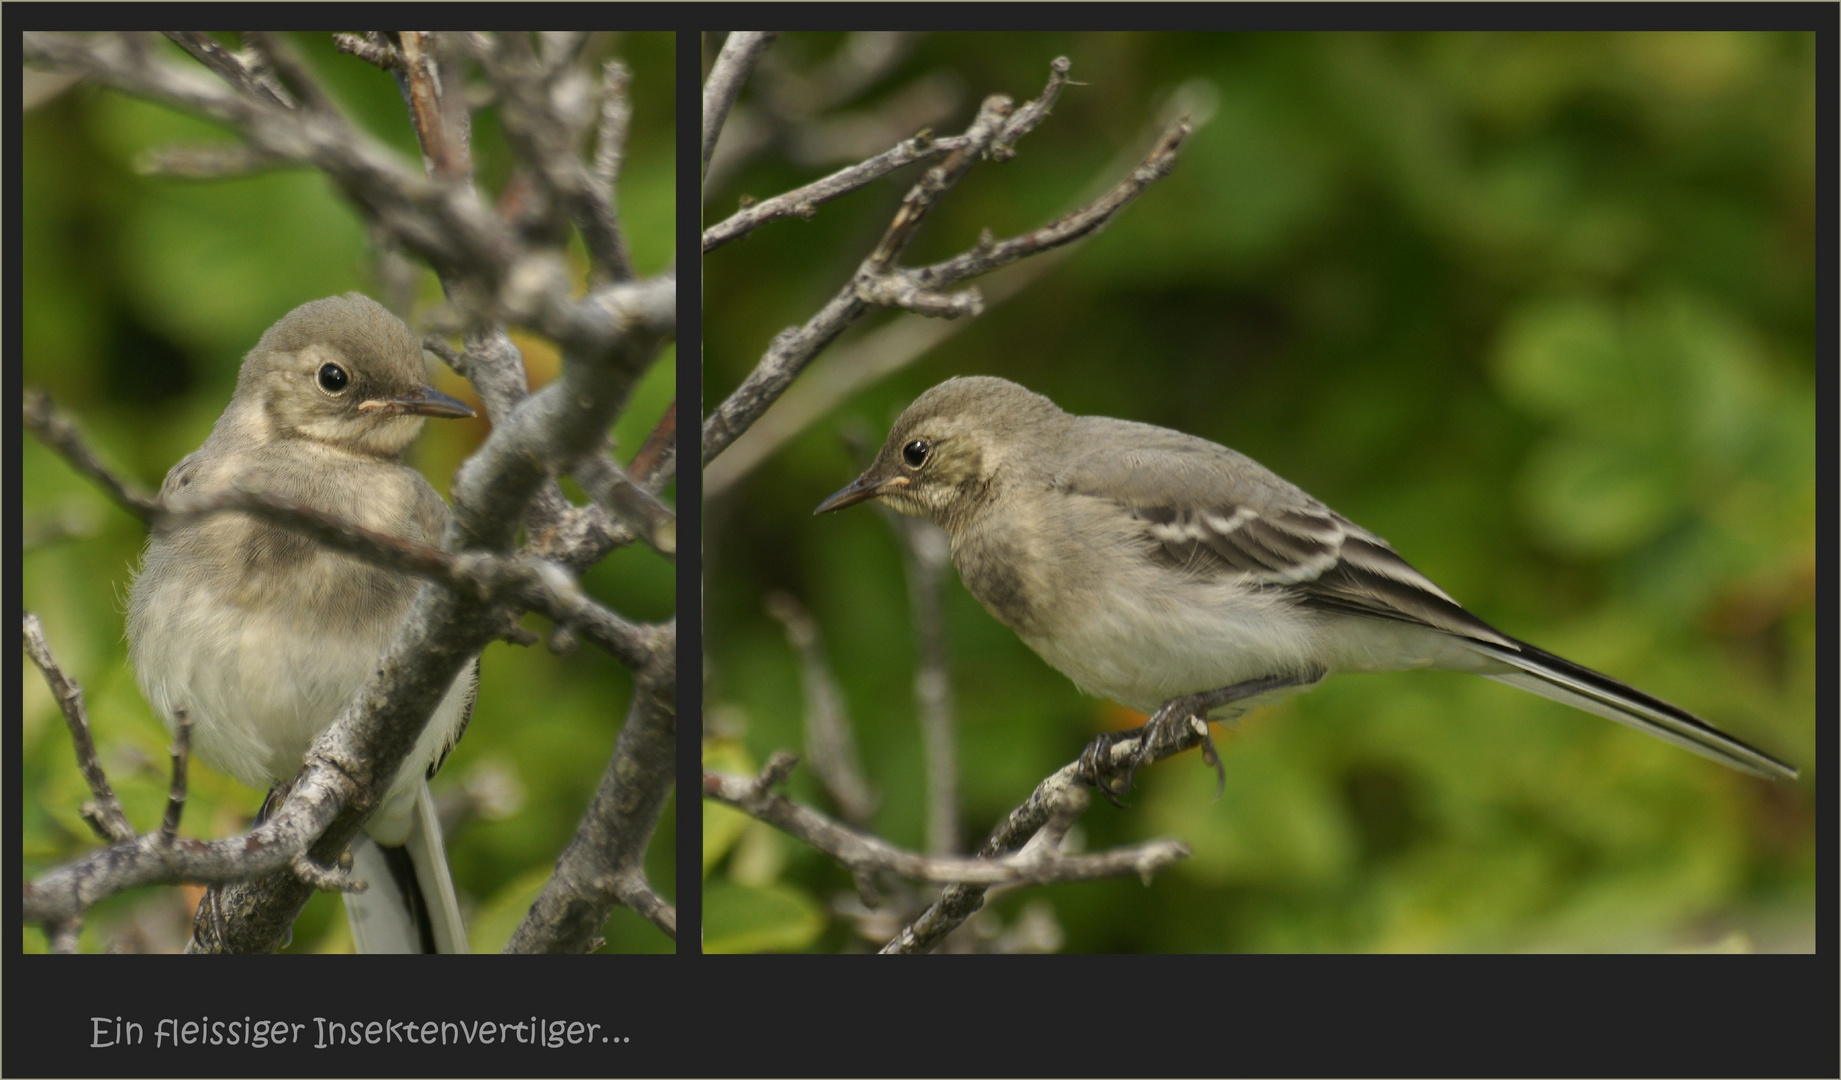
(1172, 726)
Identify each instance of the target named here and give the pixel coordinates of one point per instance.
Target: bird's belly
(256, 685)
(1141, 650)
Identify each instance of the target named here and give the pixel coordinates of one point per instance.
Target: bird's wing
(1211, 510)
(180, 476)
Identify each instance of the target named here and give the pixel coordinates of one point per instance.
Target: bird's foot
(1173, 727)
(1177, 725)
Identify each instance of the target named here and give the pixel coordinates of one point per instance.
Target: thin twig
(371, 47)
(544, 114)
(175, 793)
(960, 902)
(444, 154)
(879, 281)
(652, 466)
(610, 136)
(276, 59)
(865, 854)
(922, 197)
(1083, 222)
(804, 202)
(634, 506)
(739, 54)
(57, 431)
(926, 556)
(105, 814)
(830, 744)
(228, 66)
(605, 861)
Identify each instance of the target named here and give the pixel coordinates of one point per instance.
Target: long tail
(1562, 680)
(410, 905)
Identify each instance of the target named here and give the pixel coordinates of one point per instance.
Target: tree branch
(879, 281)
(829, 741)
(493, 274)
(739, 54)
(804, 202)
(960, 902)
(105, 815)
(1038, 863)
(604, 864)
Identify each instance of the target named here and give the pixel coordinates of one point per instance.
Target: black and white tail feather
(408, 905)
(1562, 680)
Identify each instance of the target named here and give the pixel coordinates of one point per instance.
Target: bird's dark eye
(915, 453)
(333, 378)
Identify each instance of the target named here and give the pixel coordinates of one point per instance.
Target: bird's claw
(1213, 757)
(1166, 726)
(1096, 767)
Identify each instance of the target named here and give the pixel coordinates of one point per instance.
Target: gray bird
(1181, 578)
(261, 635)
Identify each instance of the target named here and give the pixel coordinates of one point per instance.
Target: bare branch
(960, 902)
(175, 794)
(878, 281)
(105, 814)
(610, 136)
(865, 854)
(372, 47)
(634, 506)
(792, 107)
(739, 54)
(830, 744)
(274, 59)
(1025, 119)
(652, 467)
(841, 373)
(230, 67)
(205, 161)
(55, 430)
(926, 556)
(804, 202)
(937, 181)
(445, 151)
(604, 864)
(545, 112)
(64, 893)
(988, 256)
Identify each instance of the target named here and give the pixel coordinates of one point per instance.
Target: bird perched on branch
(1186, 580)
(260, 635)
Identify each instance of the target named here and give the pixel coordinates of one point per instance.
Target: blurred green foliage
(1538, 308)
(141, 296)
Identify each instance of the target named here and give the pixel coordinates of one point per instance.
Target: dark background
(1537, 307)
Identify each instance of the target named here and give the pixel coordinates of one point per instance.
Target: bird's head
(342, 371)
(947, 452)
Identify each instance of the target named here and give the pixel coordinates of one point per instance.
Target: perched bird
(260, 635)
(1172, 574)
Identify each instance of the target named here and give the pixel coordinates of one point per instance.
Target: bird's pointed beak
(863, 487)
(427, 401)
